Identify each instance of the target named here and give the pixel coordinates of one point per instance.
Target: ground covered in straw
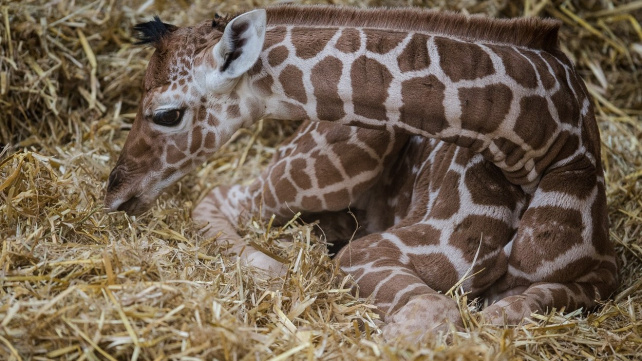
(77, 283)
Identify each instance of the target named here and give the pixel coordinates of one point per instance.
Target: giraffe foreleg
(307, 175)
(219, 211)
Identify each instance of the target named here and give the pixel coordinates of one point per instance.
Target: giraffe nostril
(114, 180)
(129, 206)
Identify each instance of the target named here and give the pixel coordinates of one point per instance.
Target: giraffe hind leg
(561, 251)
(538, 298)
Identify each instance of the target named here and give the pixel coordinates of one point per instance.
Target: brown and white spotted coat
(464, 147)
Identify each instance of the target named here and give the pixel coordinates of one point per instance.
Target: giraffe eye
(168, 118)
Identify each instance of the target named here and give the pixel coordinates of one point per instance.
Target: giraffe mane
(152, 32)
(533, 33)
(220, 22)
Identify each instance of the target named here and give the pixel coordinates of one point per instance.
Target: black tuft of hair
(152, 32)
(220, 22)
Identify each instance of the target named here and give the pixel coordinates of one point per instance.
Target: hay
(76, 283)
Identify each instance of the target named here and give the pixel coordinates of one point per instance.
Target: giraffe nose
(115, 179)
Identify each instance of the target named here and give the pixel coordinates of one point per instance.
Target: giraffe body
(463, 146)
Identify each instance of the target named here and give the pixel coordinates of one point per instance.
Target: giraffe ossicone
(459, 144)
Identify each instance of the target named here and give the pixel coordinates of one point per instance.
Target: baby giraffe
(464, 146)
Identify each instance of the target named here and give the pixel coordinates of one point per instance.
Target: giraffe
(466, 148)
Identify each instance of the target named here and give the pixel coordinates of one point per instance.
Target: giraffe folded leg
(307, 175)
(561, 253)
(540, 298)
(411, 309)
(217, 210)
(422, 316)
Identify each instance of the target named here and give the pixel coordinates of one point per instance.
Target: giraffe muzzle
(123, 193)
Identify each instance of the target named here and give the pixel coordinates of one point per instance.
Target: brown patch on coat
(295, 111)
(577, 179)
(264, 84)
(325, 79)
(212, 121)
(573, 271)
(376, 140)
(355, 160)
(291, 79)
(325, 172)
(510, 152)
(436, 270)
(285, 191)
(462, 60)
(269, 198)
(484, 109)
(138, 149)
(197, 139)
(415, 55)
(274, 36)
(338, 200)
(174, 155)
(309, 42)
(464, 156)
(370, 82)
(382, 41)
(518, 67)
(181, 143)
(299, 175)
(233, 111)
(558, 70)
(544, 234)
(561, 297)
(418, 234)
(168, 172)
(210, 140)
(489, 271)
(493, 233)
(349, 41)
(535, 124)
(567, 106)
(423, 106)
(548, 81)
(441, 164)
(311, 203)
(488, 186)
(447, 202)
(278, 55)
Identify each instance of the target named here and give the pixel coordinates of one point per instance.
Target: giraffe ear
(241, 43)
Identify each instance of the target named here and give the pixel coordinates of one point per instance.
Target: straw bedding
(78, 283)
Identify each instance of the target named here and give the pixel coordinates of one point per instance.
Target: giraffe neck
(499, 100)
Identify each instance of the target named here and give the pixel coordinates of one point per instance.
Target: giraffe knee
(423, 316)
(262, 262)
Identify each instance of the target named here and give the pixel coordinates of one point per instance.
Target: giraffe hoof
(265, 263)
(507, 312)
(424, 316)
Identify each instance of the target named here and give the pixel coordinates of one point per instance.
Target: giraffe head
(195, 96)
